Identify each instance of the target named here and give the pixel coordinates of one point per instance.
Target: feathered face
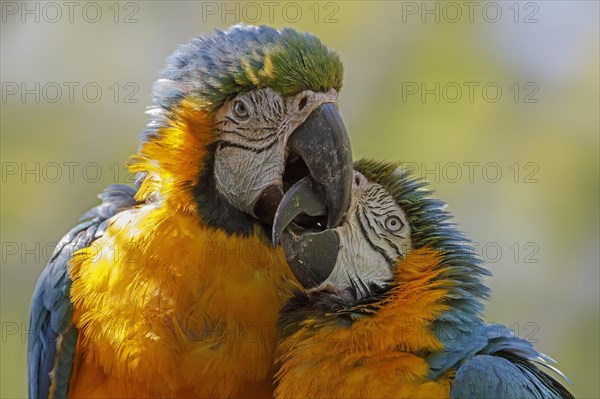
(264, 135)
(361, 252)
(271, 101)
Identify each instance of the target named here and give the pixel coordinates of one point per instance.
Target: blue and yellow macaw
(172, 288)
(392, 303)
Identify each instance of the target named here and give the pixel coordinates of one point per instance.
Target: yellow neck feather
(377, 356)
(174, 159)
(167, 306)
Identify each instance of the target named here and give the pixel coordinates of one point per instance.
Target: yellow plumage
(381, 356)
(169, 307)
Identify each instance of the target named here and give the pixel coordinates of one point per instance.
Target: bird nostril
(302, 103)
(357, 180)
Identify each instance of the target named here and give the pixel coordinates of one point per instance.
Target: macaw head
(390, 216)
(238, 117)
(396, 276)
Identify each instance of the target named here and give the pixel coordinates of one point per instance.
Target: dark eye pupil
(240, 109)
(302, 103)
(393, 223)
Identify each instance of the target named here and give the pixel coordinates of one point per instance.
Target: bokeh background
(516, 158)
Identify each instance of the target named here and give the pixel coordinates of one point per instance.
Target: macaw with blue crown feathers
(392, 302)
(172, 288)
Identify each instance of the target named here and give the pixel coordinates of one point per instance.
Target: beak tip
(312, 256)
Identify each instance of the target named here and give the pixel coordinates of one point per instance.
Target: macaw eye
(240, 110)
(302, 103)
(393, 224)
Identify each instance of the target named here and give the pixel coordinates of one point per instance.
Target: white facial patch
(253, 130)
(241, 179)
(375, 235)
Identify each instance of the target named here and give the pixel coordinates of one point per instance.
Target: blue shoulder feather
(505, 368)
(53, 338)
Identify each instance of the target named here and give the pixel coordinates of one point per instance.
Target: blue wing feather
(486, 376)
(504, 368)
(52, 343)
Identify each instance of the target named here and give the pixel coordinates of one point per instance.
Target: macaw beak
(319, 148)
(311, 255)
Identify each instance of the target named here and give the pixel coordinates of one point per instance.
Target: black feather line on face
(213, 209)
(429, 227)
(245, 147)
(253, 139)
(361, 215)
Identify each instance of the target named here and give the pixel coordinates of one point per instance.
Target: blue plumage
(207, 71)
(209, 65)
(213, 69)
(490, 362)
(486, 376)
(53, 338)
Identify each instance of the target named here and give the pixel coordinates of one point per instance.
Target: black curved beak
(311, 255)
(322, 142)
(319, 148)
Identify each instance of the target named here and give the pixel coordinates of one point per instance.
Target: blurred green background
(516, 158)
